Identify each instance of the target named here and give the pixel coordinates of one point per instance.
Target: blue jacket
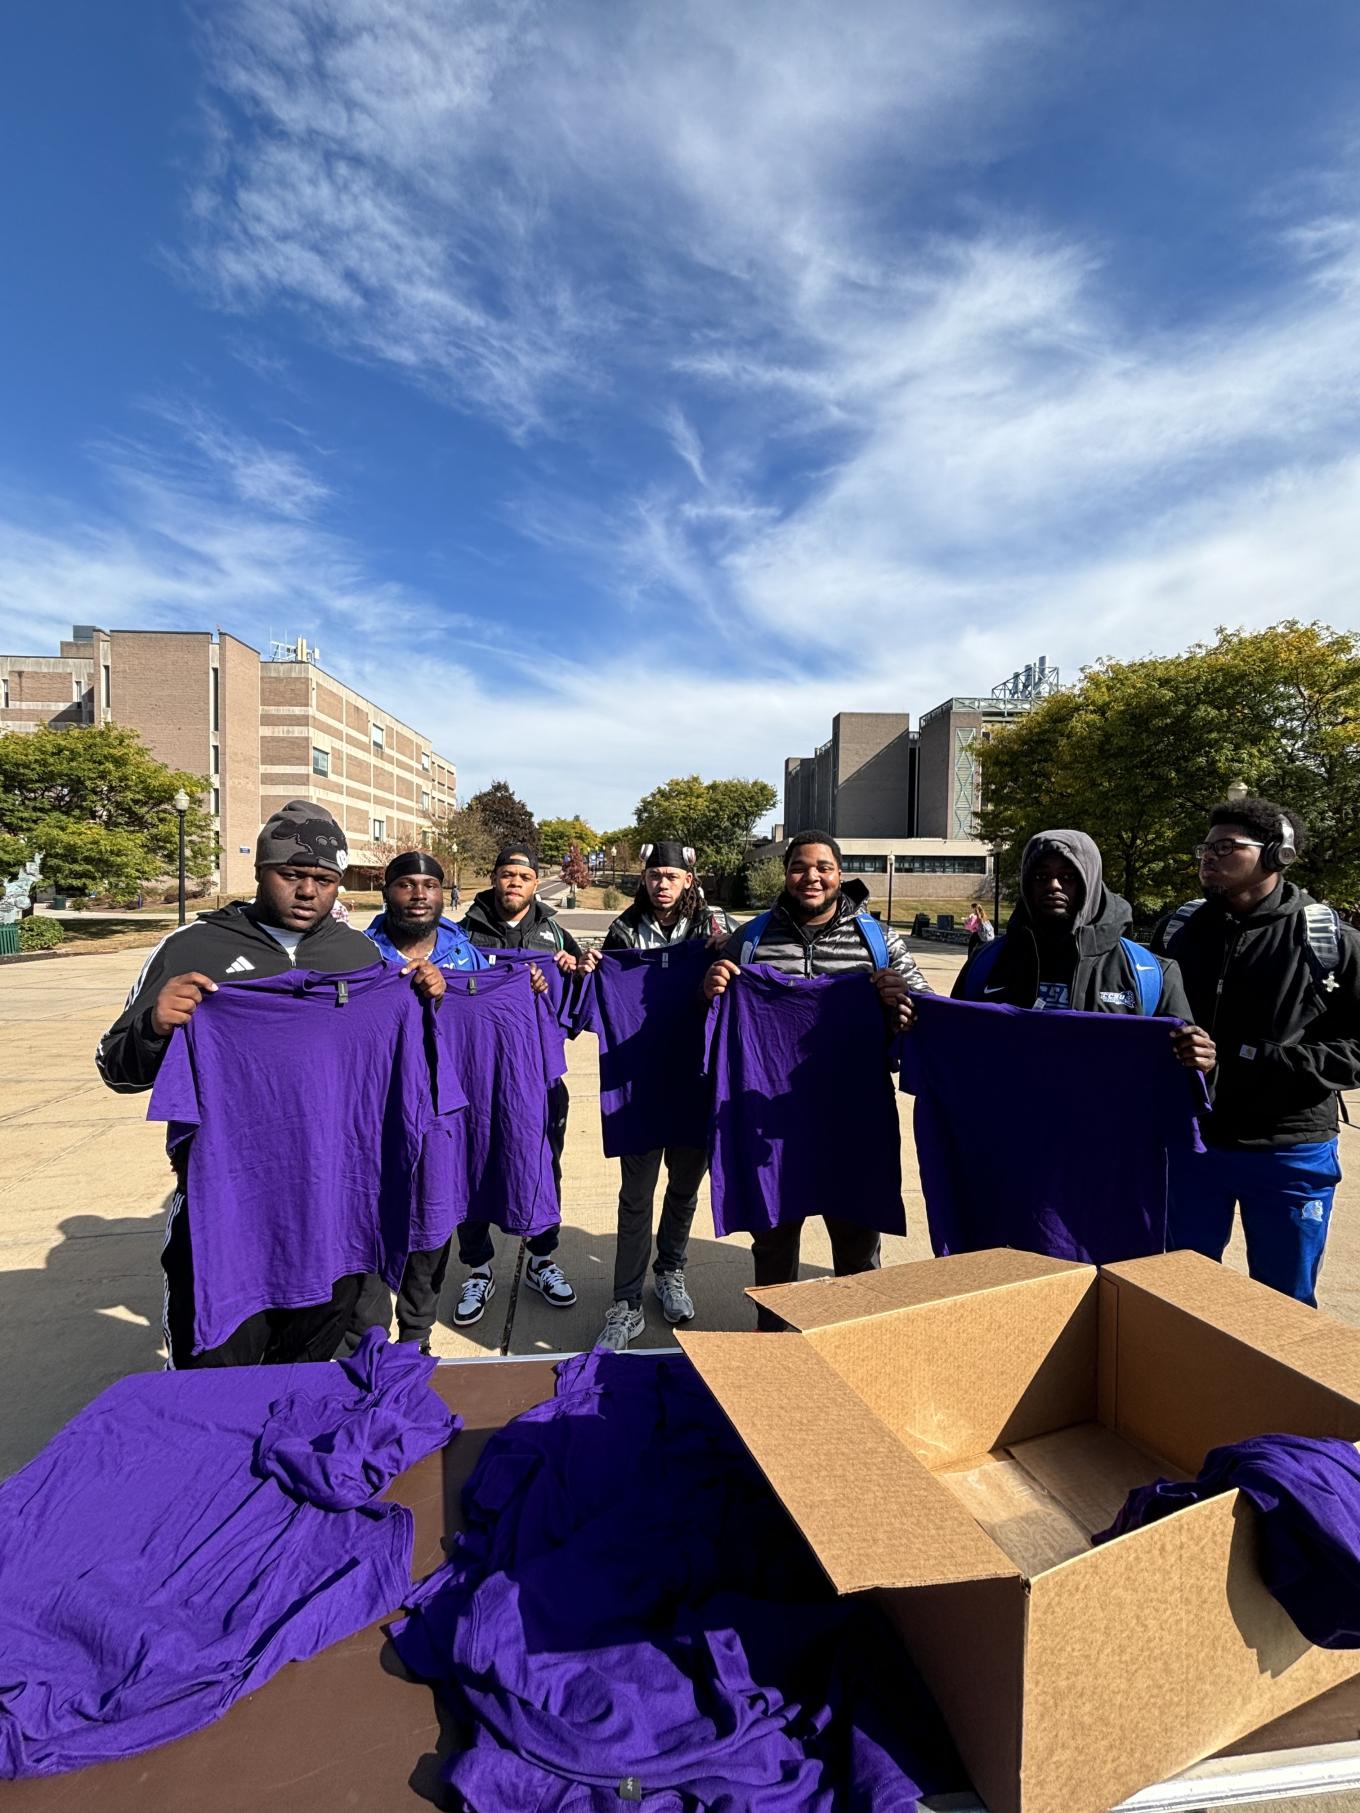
(453, 949)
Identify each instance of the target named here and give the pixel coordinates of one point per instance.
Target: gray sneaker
(622, 1324)
(676, 1303)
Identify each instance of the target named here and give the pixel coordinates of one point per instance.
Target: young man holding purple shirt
(300, 857)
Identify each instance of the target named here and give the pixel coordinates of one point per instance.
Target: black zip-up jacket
(537, 930)
(221, 945)
(1286, 1043)
(1102, 976)
(708, 922)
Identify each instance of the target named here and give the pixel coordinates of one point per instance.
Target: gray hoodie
(1080, 850)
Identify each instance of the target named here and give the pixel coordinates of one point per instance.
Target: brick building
(262, 731)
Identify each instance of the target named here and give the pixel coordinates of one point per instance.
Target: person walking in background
(978, 926)
(669, 908)
(1275, 976)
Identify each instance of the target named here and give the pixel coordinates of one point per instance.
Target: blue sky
(619, 391)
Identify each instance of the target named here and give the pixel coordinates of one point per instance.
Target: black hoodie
(538, 930)
(219, 945)
(1102, 976)
(1287, 1043)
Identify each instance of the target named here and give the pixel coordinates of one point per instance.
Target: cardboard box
(952, 1433)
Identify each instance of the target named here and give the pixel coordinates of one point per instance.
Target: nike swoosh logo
(999, 990)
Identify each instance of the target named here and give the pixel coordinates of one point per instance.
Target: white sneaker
(479, 1288)
(550, 1281)
(622, 1324)
(676, 1303)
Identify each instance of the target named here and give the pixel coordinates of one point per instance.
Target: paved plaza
(84, 1186)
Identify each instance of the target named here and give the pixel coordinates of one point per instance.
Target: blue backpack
(1147, 972)
(865, 924)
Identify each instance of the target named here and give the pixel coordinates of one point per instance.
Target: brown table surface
(344, 1731)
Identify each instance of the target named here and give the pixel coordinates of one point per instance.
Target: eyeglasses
(1224, 846)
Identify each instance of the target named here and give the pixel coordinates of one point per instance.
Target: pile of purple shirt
(190, 1532)
(1306, 1493)
(630, 1616)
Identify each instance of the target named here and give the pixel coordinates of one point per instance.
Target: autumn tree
(556, 836)
(575, 872)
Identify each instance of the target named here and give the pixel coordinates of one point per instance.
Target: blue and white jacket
(453, 949)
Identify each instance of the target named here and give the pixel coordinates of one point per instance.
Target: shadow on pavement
(88, 1316)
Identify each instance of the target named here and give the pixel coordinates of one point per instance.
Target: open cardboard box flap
(954, 1431)
(871, 1513)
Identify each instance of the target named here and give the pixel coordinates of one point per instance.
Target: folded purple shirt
(629, 1615)
(170, 1549)
(1306, 1490)
(804, 1112)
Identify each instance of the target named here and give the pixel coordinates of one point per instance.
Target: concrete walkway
(84, 1187)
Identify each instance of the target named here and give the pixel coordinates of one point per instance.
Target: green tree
(764, 882)
(1137, 752)
(99, 807)
(716, 817)
(624, 843)
(506, 817)
(557, 835)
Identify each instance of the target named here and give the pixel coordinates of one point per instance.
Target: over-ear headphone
(1280, 852)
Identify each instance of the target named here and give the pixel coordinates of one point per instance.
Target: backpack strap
(751, 936)
(872, 933)
(1322, 936)
(980, 966)
(1180, 919)
(556, 930)
(1147, 975)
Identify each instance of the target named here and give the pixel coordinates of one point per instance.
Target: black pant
(268, 1338)
(685, 1167)
(417, 1300)
(775, 1251)
(475, 1245)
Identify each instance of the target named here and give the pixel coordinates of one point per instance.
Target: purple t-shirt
(308, 1097)
(630, 1616)
(646, 1007)
(1046, 1131)
(169, 1550)
(1306, 1491)
(492, 1162)
(557, 1024)
(804, 1113)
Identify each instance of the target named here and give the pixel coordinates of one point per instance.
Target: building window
(379, 830)
(5, 685)
(378, 736)
(425, 760)
(941, 865)
(321, 761)
(76, 690)
(216, 689)
(424, 801)
(108, 688)
(864, 865)
(216, 759)
(216, 801)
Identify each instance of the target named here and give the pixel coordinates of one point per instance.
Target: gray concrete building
(860, 782)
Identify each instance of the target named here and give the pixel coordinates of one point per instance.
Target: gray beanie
(302, 833)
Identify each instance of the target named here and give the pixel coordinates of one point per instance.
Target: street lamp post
(613, 865)
(996, 892)
(181, 805)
